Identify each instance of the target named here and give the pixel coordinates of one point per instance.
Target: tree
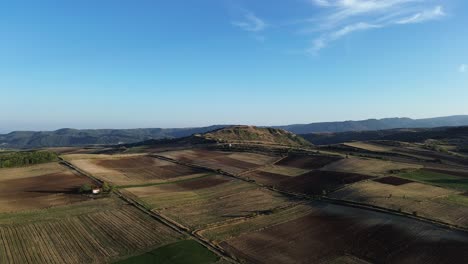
(85, 188)
(106, 187)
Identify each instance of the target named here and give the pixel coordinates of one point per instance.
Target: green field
(438, 179)
(182, 252)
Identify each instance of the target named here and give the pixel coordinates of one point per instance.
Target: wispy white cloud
(463, 68)
(251, 23)
(343, 17)
(423, 16)
(322, 41)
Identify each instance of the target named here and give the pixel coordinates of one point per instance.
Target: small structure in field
(96, 191)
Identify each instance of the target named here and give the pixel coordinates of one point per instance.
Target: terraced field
(94, 232)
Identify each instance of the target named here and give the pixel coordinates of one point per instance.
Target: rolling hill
(83, 137)
(255, 135)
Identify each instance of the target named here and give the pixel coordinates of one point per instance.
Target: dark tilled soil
(267, 178)
(307, 162)
(395, 181)
(335, 230)
(145, 167)
(203, 183)
(42, 191)
(315, 182)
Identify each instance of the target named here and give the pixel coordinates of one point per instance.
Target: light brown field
(39, 186)
(204, 201)
(93, 232)
(227, 161)
(283, 170)
(368, 166)
(426, 200)
(369, 146)
(132, 169)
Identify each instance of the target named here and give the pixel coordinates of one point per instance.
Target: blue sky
(150, 63)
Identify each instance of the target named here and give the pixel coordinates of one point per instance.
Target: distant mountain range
(377, 124)
(82, 137)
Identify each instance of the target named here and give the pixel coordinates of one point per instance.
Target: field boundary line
(328, 199)
(161, 218)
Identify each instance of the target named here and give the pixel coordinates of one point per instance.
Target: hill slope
(75, 137)
(255, 135)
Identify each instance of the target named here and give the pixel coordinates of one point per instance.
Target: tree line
(23, 158)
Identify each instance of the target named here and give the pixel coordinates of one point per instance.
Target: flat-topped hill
(255, 135)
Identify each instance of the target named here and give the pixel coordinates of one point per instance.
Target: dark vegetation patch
(182, 252)
(393, 180)
(24, 158)
(318, 182)
(307, 162)
(437, 179)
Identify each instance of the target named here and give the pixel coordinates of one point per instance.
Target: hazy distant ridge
(377, 124)
(81, 137)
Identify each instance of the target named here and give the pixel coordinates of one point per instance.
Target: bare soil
(395, 181)
(333, 231)
(315, 182)
(202, 183)
(41, 191)
(146, 167)
(307, 162)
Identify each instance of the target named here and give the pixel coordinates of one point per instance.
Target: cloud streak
(251, 23)
(423, 16)
(343, 17)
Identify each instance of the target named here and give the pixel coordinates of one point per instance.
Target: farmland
(131, 169)
(211, 200)
(101, 230)
(234, 163)
(332, 232)
(214, 204)
(39, 186)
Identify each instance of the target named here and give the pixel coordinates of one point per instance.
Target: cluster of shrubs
(23, 158)
(105, 188)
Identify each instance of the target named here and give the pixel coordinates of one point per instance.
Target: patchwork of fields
(266, 209)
